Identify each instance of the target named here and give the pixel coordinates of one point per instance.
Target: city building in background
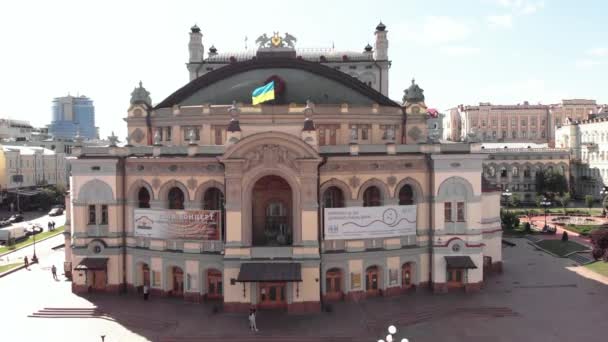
(30, 168)
(500, 123)
(15, 130)
(573, 110)
(72, 116)
(331, 191)
(587, 142)
(515, 166)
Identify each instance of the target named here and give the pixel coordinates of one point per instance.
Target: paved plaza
(537, 298)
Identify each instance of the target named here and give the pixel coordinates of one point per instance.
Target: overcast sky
(460, 52)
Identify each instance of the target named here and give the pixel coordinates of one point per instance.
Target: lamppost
(507, 195)
(545, 203)
(604, 194)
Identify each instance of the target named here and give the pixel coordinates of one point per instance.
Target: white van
(8, 233)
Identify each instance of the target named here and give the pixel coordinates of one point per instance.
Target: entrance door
(406, 274)
(272, 295)
(178, 282)
(146, 275)
(98, 280)
(371, 281)
(214, 284)
(333, 285)
(455, 278)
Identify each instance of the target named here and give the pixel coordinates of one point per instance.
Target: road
(44, 248)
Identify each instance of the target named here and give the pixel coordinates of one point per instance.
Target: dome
(368, 48)
(413, 94)
(380, 27)
(212, 49)
(140, 95)
(195, 29)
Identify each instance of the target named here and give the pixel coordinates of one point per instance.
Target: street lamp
(34, 258)
(507, 195)
(604, 194)
(545, 203)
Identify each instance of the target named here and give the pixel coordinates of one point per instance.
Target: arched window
(333, 198)
(515, 171)
(176, 198)
(491, 171)
(143, 197)
(213, 199)
(503, 172)
(372, 197)
(406, 195)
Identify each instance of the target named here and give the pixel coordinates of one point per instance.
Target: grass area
(520, 231)
(561, 248)
(560, 211)
(582, 229)
(600, 267)
(8, 267)
(30, 240)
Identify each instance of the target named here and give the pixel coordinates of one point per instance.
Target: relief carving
(354, 182)
(392, 180)
(269, 155)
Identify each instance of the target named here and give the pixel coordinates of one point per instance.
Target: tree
(509, 220)
(599, 240)
(564, 200)
(589, 201)
(551, 182)
(515, 200)
(537, 200)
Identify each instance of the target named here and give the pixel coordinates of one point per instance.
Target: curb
(15, 270)
(18, 249)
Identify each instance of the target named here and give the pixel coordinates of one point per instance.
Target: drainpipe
(431, 211)
(122, 161)
(320, 230)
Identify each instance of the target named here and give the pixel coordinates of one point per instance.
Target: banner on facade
(177, 224)
(369, 222)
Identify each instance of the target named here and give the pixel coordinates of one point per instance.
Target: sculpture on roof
(276, 41)
(140, 95)
(413, 94)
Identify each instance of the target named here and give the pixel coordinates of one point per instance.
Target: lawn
(561, 248)
(600, 267)
(7, 267)
(30, 240)
(582, 229)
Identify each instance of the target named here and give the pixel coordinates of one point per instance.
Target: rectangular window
(483, 123)
(494, 122)
(542, 122)
(460, 211)
(92, 215)
(504, 134)
(513, 134)
(504, 122)
(523, 134)
(447, 211)
(321, 136)
(168, 135)
(104, 214)
(542, 134)
(160, 133)
(196, 133)
(494, 134)
(524, 122)
(332, 136)
(533, 121)
(364, 133)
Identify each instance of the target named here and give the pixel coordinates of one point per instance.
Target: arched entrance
(272, 221)
(144, 276)
(372, 281)
(214, 284)
(176, 282)
(333, 284)
(407, 275)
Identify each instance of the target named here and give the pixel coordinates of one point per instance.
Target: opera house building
(328, 191)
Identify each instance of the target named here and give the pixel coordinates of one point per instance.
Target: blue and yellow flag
(263, 94)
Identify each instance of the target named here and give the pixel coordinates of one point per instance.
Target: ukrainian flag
(263, 94)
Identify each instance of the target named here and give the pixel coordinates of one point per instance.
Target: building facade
(37, 166)
(503, 123)
(15, 129)
(276, 190)
(516, 166)
(575, 109)
(587, 141)
(73, 116)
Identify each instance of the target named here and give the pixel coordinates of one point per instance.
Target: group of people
(26, 261)
(51, 226)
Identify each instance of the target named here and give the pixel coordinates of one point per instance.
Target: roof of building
(303, 80)
(324, 55)
(27, 150)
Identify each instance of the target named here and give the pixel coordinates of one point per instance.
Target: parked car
(34, 228)
(16, 218)
(4, 222)
(56, 212)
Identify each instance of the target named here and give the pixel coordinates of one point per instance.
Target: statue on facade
(290, 40)
(262, 40)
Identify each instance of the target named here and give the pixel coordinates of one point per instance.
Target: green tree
(589, 202)
(515, 200)
(537, 200)
(509, 220)
(551, 182)
(564, 200)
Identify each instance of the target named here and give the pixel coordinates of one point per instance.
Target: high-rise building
(73, 116)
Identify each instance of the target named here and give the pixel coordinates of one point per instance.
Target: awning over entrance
(92, 264)
(459, 262)
(256, 272)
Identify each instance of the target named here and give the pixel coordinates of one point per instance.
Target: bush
(589, 201)
(509, 220)
(597, 253)
(599, 240)
(565, 236)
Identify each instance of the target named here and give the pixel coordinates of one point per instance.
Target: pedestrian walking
(53, 224)
(146, 292)
(48, 225)
(252, 324)
(54, 271)
(26, 262)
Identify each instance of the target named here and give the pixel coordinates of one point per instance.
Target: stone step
(580, 258)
